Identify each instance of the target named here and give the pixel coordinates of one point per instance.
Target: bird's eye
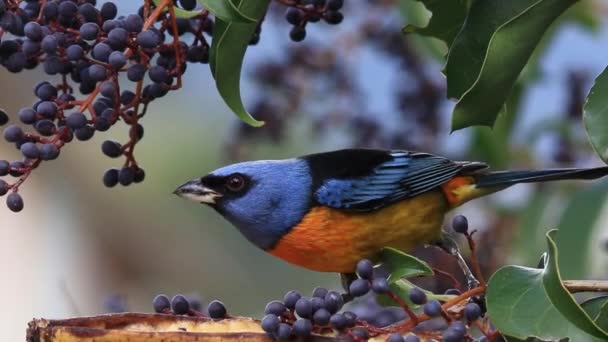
(235, 183)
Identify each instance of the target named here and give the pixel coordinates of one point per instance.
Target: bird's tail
(479, 182)
(503, 179)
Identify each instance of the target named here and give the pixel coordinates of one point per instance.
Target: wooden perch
(138, 327)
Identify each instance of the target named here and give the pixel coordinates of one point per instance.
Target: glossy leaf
(595, 116)
(446, 20)
(228, 47)
(227, 11)
(577, 228)
(597, 309)
(529, 302)
(484, 61)
(402, 265)
(401, 288)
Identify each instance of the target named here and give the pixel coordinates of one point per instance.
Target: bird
(326, 211)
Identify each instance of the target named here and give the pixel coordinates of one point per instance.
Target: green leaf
(561, 298)
(401, 288)
(402, 265)
(595, 116)
(228, 47)
(227, 11)
(577, 228)
(490, 51)
(597, 309)
(446, 21)
(528, 302)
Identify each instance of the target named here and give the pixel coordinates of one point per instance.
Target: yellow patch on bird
(332, 240)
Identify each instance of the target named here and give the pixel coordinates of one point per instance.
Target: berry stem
(403, 304)
(474, 259)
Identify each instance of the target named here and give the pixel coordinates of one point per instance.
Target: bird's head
(263, 199)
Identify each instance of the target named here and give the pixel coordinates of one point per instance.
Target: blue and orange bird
(326, 211)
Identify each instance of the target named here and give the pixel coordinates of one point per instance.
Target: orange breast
(331, 240)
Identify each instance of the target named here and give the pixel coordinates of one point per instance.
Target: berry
(361, 333)
(117, 60)
(380, 285)
(134, 23)
(110, 178)
(333, 17)
(365, 269)
(140, 175)
(148, 39)
(112, 149)
(270, 323)
(45, 127)
(395, 337)
(338, 321)
(284, 331)
(74, 52)
(67, 9)
(351, 318)
(33, 31)
(412, 338)
(126, 176)
(303, 308)
(180, 305)
(297, 33)
(47, 109)
(76, 120)
(460, 224)
(108, 89)
(417, 296)
(317, 303)
(30, 48)
(85, 133)
(97, 72)
(291, 299)
(136, 72)
(101, 52)
(4, 167)
(333, 302)
(49, 152)
(453, 292)
(216, 309)
(302, 327)
(49, 44)
(46, 91)
(451, 335)
(294, 16)
(3, 187)
(16, 62)
(319, 292)
(161, 303)
(13, 133)
(334, 5)
(275, 307)
(108, 11)
(89, 31)
(359, 287)
(14, 202)
(118, 36)
(30, 150)
(158, 74)
(102, 124)
(321, 317)
(126, 97)
(458, 326)
(16, 167)
(472, 311)
(188, 5)
(432, 308)
(88, 12)
(3, 117)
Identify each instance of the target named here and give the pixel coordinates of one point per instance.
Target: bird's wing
(405, 174)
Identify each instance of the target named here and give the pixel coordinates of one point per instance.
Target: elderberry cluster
(302, 12)
(87, 48)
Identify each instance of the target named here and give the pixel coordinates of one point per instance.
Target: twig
(575, 286)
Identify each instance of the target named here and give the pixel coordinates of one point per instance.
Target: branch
(575, 286)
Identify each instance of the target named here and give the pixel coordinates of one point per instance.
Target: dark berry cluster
(88, 47)
(301, 12)
(182, 305)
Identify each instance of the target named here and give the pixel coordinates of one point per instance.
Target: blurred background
(82, 249)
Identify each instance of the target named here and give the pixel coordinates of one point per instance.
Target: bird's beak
(195, 191)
